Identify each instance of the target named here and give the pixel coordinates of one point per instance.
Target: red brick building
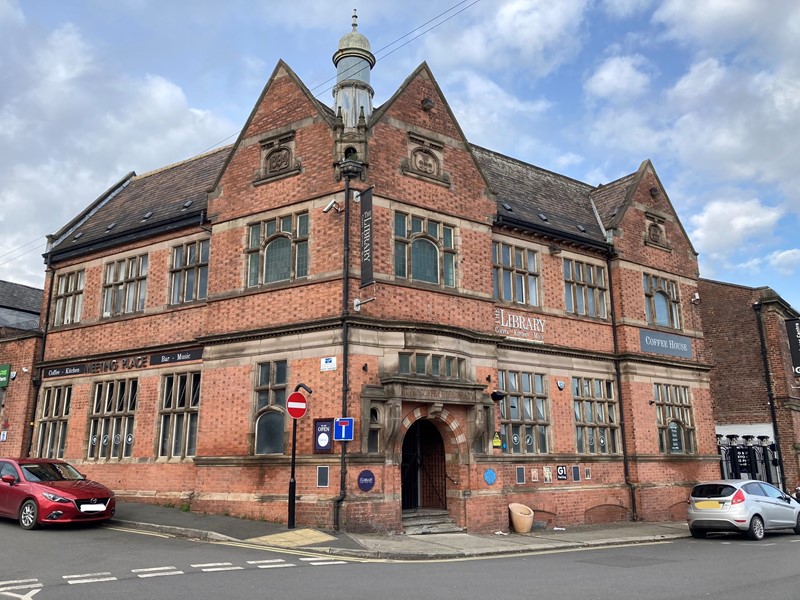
(754, 381)
(497, 332)
(20, 349)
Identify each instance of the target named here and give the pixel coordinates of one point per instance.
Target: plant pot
(521, 517)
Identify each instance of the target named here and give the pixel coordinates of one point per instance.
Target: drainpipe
(37, 381)
(770, 393)
(618, 375)
(349, 169)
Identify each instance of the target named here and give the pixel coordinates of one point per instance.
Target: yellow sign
(496, 443)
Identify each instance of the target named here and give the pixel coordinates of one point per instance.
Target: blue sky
(709, 90)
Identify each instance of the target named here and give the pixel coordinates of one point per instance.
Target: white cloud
(11, 14)
(621, 9)
(529, 36)
(619, 79)
(724, 226)
(786, 262)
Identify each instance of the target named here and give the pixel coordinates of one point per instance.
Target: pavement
(207, 527)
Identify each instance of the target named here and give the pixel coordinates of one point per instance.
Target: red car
(38, 491)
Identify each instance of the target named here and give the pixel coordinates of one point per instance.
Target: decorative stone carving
(655, 234)
(425, 160)
(277, 159)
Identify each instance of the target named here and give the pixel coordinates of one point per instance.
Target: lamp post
(349, 168)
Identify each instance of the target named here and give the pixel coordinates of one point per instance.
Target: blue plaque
(489, 476)
(366, 480)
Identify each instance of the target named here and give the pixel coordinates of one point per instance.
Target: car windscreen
(49, 472)
(713, 490)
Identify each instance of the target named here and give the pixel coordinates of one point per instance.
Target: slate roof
(175, 192)
(20, 297)
(610, 198)
(527, 193)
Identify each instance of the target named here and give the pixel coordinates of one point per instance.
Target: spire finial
(355, 20)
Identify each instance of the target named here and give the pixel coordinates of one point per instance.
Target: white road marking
(88, 578)
(264, 562)
(276, 566)
(201, 565)
(159, 574)
(20, 584)
(27, 596)
(150, 569)
(329, 562)
(212, 569)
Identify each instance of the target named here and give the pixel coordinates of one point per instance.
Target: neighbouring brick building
(497, 332)
(20, 349)
(754, 382)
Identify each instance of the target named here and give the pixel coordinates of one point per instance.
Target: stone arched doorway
(423, 472)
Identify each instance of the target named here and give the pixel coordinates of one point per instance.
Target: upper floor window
(596, 421)
(111, 419)
(424, 250)
(584, 289)
(433, 365)
(53, 421)
(69, 298)
(524, 413)
(189, 272)
(516, 274)
(277, 250)
(125, 286)
(178, 412)
(675, 419)
(661, 304)
(270, 407)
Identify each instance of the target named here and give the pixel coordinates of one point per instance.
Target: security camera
(333, 204)
(695, 298)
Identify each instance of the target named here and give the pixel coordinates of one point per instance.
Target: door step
(424, 522)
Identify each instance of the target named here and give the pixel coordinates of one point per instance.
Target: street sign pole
(292, 412)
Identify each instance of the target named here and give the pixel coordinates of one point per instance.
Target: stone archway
(423, 469)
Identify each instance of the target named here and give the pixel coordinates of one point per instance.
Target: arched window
(270, 407)
(277, 260)
(269, 433)
(424, 250)
(277, 250)
(661, 303)
(424, 261)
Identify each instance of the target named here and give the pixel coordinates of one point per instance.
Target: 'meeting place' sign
(125, 363)
(656, 342)
(793, 331)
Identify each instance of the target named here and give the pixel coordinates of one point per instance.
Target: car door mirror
(9, 479)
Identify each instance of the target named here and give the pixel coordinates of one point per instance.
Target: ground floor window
(111, 419)
(596, 419)
(53, 420)
(178, 411)
(270, 414)
(524, 413)
(675, 419)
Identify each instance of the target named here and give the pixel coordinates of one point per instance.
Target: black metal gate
(748, 460)
(424, 477)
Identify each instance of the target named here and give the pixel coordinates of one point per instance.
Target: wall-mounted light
(695, 299)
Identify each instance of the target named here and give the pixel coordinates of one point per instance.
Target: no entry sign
(296, 405)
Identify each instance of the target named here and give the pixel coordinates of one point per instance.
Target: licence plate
(708, 504)
(93, 508)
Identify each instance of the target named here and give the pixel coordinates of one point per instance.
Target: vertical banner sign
(367, 277)
(793, 331)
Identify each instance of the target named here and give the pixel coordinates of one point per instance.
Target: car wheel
(756, 531)
(697, 533)
(797, 525)
(28, 514)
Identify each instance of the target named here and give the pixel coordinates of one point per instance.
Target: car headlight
(55, 498)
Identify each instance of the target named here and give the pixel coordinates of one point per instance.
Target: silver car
(741, 505)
